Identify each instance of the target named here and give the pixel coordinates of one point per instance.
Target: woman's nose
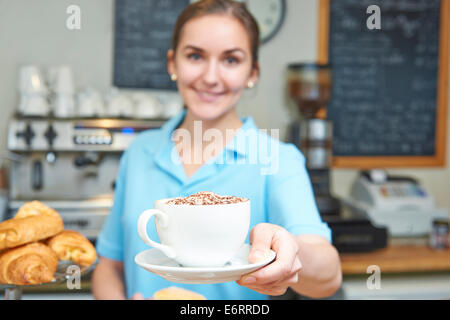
(211, 74)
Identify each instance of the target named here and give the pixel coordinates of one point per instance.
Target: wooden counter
(397, 259)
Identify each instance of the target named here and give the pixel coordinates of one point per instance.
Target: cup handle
(142, 230)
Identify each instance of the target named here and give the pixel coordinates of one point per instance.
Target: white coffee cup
(198, 235)
(119, 104)
(146, 106)
(63, 105)
(90, 103)
(31, 80)
(34, 105)
(61, 80)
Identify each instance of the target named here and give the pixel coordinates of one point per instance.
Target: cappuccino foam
(206, 198)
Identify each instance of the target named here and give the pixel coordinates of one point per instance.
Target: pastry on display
(34, 241)
(175, 293)
(29, 264)
(18, 231)
(72, 245)
(35, 208)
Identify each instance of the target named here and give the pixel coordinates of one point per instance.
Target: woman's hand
(276, 277)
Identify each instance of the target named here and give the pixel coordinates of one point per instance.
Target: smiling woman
(214, 65)
(214, 59)
(230, 8)
(217, 61)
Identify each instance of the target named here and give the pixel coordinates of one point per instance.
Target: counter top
(397, 259)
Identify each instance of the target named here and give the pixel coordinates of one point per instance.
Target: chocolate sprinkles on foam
(206, 198)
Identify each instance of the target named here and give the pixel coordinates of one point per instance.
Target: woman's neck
(228, 121)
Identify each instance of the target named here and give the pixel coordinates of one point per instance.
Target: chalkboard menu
(386, 82)
(142, 37)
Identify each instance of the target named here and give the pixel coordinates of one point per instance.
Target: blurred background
(71, 101)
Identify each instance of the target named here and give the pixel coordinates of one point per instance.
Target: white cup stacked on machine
(119, 104)
(63, 91)
(146, 106)
(33, 92)
(90, 103)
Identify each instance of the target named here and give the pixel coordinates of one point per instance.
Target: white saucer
(157, 262)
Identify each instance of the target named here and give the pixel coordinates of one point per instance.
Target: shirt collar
(169, 127)
(168, 159)
(239, 144)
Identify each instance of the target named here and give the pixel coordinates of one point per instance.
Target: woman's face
(213, 63)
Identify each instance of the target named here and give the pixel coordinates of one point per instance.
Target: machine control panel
(38, 134)
(93, 137)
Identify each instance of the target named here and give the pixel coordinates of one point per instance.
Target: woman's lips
(207, 96)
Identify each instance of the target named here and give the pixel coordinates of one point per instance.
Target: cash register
(401, 204)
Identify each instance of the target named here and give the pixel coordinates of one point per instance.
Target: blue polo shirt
(253, 165)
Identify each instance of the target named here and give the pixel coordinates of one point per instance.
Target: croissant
(176, 293)
(35, 208)
(33, 263)
(72, 245)
(19, 231)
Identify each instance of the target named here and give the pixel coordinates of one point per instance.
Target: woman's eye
(194, 56)
(231, 60)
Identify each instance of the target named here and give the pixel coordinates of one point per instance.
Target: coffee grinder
(309, 86)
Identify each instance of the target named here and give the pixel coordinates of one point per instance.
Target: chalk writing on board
(142, 37)
(384, 98)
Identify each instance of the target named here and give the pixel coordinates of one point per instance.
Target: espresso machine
(70, 165)
(310, 88)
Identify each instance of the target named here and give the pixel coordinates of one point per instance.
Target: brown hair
(236, 9)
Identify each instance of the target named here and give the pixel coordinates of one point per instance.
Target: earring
(250, 84)
(173, 77)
